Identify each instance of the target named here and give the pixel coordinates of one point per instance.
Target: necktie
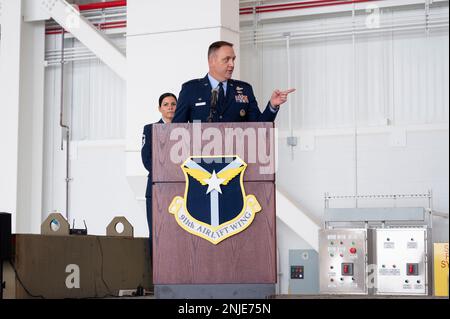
(221, 99)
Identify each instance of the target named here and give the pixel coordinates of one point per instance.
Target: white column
(10, 22)
(31, 128)
(22, 50)
(167, 45)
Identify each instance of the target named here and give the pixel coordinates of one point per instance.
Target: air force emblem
(215, 205)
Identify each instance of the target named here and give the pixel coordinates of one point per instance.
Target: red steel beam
(101, 26)
(299, 5)
(243, 11)
(102, 5)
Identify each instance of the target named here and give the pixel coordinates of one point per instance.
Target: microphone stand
(213, 107)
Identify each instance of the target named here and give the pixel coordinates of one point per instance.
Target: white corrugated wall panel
(94, 95)
(394, 77)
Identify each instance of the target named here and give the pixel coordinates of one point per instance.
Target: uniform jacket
(240, 103)
(146, 155)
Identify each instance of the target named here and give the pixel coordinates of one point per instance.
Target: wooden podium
(188, 266)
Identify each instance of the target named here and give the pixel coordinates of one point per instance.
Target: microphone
(213, 107)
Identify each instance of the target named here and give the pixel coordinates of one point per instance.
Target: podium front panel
(183, 258)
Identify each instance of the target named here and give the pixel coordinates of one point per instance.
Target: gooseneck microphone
(213, 107)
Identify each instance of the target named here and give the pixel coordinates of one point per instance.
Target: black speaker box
(5, 236)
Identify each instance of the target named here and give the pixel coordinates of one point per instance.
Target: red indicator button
(412, 269)
(345, 269)
(353, 250)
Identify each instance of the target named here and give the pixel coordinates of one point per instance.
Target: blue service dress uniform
(239, 104)
(146, 155)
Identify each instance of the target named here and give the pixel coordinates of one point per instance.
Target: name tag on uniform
(200, 104)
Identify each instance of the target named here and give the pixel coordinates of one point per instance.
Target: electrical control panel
(304, 272)
(343, 261)
(399, 256)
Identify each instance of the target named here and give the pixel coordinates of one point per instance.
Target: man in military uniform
(234, 100)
